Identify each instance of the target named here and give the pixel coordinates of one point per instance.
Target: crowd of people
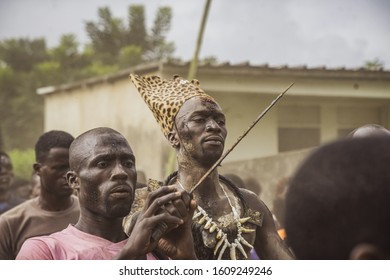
(90, 201)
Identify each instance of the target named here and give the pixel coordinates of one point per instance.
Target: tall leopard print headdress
(165, 97)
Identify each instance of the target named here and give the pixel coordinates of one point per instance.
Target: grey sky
(332, 33)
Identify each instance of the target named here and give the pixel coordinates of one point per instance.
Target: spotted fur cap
(165, 97)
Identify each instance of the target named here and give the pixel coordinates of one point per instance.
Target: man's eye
(102, 164)
(221, 122)
(199, 120)
(128, 163)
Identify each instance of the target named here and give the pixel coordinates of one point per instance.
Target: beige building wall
(323, 104)
(116, 105)
(268, 171)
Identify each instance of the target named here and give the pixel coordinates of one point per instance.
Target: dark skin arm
(174, 208)
(268, 244)
(178, 243)
(139, 242)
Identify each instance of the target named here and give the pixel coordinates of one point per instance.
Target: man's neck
(110, 229)
(190, 176)
(52, 203)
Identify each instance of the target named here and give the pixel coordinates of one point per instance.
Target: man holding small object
(103, 173)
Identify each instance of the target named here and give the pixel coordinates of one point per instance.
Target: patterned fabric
(165, 97)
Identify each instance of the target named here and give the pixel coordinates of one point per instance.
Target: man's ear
(73, 180)
(37, 167)
(173, 139)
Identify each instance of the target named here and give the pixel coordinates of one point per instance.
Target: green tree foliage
(27, 64)
(375, 64)
(21, 109)
(22, 54)
(158, 48)
(137, 34)
(107, 35)
(112, 41)
(130, 55)
(22, 161)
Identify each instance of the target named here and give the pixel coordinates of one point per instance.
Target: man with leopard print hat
(229, 221)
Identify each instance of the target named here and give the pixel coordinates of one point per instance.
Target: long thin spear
(218, 162)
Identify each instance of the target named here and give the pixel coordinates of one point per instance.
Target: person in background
(337, 203)
(22, 188)
(35, 185)
(369, 130)
(252, 184)
(55, 207)
(103, 172)
(279, 204)
(235, 179)
(8, 199)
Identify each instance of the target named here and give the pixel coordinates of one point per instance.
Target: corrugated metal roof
(316, 71)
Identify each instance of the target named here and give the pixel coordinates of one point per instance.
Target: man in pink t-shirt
(72, 244)
(103, 173)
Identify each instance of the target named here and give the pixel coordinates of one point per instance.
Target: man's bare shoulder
(253, 201)
(256, 205)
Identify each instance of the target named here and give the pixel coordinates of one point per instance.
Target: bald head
(369, 130)
(83, 146)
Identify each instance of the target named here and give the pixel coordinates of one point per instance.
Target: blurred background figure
(235, 179)
(35, 185)
(337, 203)
(278, 206)
(369, 130)
(252, 184)
(54, 209)
(22, 188)
(8, 199)
(141, 179)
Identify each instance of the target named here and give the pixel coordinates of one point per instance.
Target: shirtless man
(229, 221)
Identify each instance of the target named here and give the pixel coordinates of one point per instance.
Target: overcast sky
(331, 33)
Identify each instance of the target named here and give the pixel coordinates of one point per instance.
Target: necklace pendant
(222, 240)
(247, 230)
(240, 248)
(244, 220)
(219, 234)
(208, 224)
(213, 227)
(197, 215)
(225, 245)
(244, 242)
(219, 240)
(208, 240)
(202, 220)
(233, 251)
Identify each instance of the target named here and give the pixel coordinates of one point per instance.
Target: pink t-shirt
(71, 244)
